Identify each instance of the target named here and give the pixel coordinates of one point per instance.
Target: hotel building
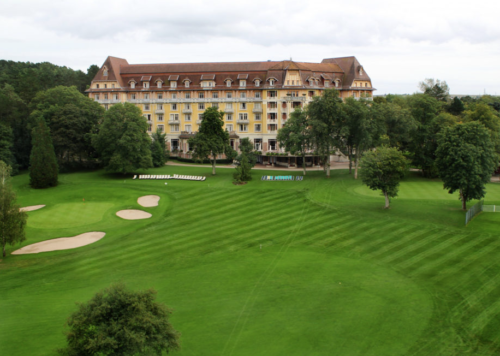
(256, 97)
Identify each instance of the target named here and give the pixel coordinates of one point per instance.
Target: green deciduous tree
(243, 170)
(295, 136)
(118, 321)
(43, 162)
(122, 142)
(158, 148)
(72, 118)
(456, 106)
(383, 169)
(211, 140)
(326, 118)
(399, 123)
(436, 88)
(246, 147)
(487, 116)
(6, 143)
(12, 220)
(466, 159)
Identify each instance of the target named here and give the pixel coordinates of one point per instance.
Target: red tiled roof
(173, 77)
(145, 78)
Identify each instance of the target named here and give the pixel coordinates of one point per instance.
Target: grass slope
(336, 272)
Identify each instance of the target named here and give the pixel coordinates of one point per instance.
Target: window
(293, 82)
(243, 106)
(272, 94)
(159, 107)
(160, 128)
(229, 127)
(160, 117)
(145, 84)
(215, 105)
(105, 85)
(105, 72)
(115, 96)
(173, 84)
(229, 117)
(336, 84)
(175, 145)
(311, 93)
(105, 96)
(160, 83)
(272, 116)
(132, 85)
(187, 117)
(258, 117)
(243, 95)
(327, 84)
(201, 106)
(132, 96)
(207, 84)
(257, 95)
(271, 82)
(148, 117)
(187, 95)
(257, 144)
(146, 107)
(243, 83)
(200, 117)
(174, 95)
(201, 95)
(287, 82)
(354, 94)
(272, 128)
(229, 106)
(112, 85)
(228, 83)
(186, 84)
(150, 127)
(243, 116)
(175, 128)
(187, 106)
(229, 95)
(257, 83)
(146, 96)
(174, 117)
(187, 127)
(97, 86)
(272, 105)
(215, 95)
(159, 96)
(174, 106)
(258, 127)
(243, 128)
(366, 85)
(106, 107)
(272, 144)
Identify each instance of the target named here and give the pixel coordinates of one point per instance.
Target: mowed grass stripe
(447, 243)
(455, 253)
(367, 234)
(383, 240)
(309, 239)
(414, 247)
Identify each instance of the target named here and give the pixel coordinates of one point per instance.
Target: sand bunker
(133, 214)
(31, 208)
(63, 243)
(149, 201)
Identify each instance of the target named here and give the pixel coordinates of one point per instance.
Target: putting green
(413, 190)
(298, 303)
(67, 215)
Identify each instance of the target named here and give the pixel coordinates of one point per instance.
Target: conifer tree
(242, 173)
(43, 162)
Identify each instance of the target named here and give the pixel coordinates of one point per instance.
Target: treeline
(410, 123)
(25, 88)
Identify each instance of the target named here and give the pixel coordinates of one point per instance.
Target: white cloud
(399, 43)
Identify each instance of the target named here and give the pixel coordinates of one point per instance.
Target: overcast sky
(399, 43)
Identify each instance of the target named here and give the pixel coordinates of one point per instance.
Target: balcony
(272, 109)
(257, 109)
(242, 121)
(198, 122)
(228, 110)
(159, 111)
(108, 101)
(174, 122)
(294, 98)
(272, 121)
(187, 111)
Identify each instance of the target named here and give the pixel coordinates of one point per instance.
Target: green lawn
(336, 273)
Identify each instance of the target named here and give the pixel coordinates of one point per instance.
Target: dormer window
(337, 83)
(97, 86)
(228, 83)
(105, 72)
(145, 84)
(243, 83)
(327, 84)
(186, 83)
(159, 83)
(360, 70)
(173, 84)
(257, 83)
(132, 85)
(271, 82)
(207, 84)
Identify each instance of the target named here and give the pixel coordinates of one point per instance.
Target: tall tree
(243, 170)
(295, 136)
(383, 169)
(246, 147)
(158, 148)
(118, 321)
(456, 106)
(211, 140)
(123, 142)
(487, 116)
(6, 142)
(436, 88)
(327, 123)
(43, 162)
(399, 123)
(72, 118)
(466, 159)
(12, 220)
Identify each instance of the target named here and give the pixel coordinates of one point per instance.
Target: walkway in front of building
(334, 165)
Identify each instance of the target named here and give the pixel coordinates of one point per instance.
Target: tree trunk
(3, 245)
(464, 201)
(386, 201)
(327, 166)
(304, 164)
(213, 164)
(356, 165)
(349, 152)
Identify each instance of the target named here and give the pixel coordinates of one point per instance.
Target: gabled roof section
(350, 66)
(146, 78)
(113, 65)
(242, 76)
(208, 77)
(173, 77)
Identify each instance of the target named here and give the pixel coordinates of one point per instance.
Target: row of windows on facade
(203, 106)
(201, 95)
(228, 117)
(272, 144)
(229, 127)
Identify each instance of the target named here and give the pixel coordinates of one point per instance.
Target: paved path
(334, 165)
